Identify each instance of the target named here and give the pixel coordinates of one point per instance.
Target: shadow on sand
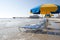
(43, 32)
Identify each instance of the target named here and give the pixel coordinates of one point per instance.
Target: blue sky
(20, 8)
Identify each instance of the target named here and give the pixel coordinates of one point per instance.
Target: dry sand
(9, 31)
(16, 35)
(32, 36)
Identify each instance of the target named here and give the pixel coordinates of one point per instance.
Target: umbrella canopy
(46, 9)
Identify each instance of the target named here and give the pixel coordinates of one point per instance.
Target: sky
(21, 8)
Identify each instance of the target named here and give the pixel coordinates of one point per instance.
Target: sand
(9, 31)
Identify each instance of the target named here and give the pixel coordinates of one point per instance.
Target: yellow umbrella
(48, 8)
